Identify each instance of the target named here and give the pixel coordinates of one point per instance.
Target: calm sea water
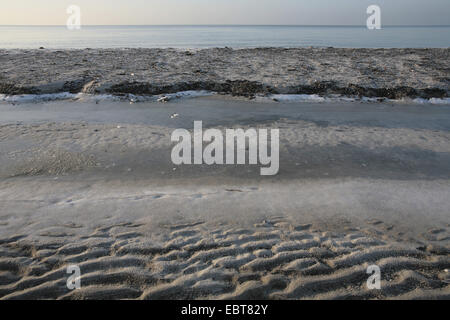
(59, 37)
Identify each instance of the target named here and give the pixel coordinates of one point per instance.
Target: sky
(266, 12)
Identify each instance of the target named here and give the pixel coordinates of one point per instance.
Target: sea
(208, 36)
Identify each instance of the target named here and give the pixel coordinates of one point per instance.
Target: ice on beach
(190, 94)
(317, 98)
(35, 98)
(30, 98)
(132, 98)
(286, 98)
(297, 97)
(442, 101)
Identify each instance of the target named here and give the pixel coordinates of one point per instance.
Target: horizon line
(222, 25)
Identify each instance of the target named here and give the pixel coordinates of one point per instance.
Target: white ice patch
(441, 101)
(178, 95)
(297, 98)
(313, 98)
(286, 98)
(35, 98)
(169, 96)
(190, 94)
(30, 98)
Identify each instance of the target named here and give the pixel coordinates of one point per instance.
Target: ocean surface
(59, 37)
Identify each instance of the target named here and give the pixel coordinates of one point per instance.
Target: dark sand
(388, 73)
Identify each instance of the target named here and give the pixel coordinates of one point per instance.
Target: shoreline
(283, 98)
(373, 73)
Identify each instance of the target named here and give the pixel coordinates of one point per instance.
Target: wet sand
(359, 184)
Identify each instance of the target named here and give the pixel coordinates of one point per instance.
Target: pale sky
(155, 12)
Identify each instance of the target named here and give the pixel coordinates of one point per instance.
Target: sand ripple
(270, 261)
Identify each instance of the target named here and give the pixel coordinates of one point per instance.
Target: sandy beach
(384, 73)
(224, 159)
(91, 183)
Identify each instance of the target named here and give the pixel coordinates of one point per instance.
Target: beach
(90, 182)
(224, 159)
(378, 73)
